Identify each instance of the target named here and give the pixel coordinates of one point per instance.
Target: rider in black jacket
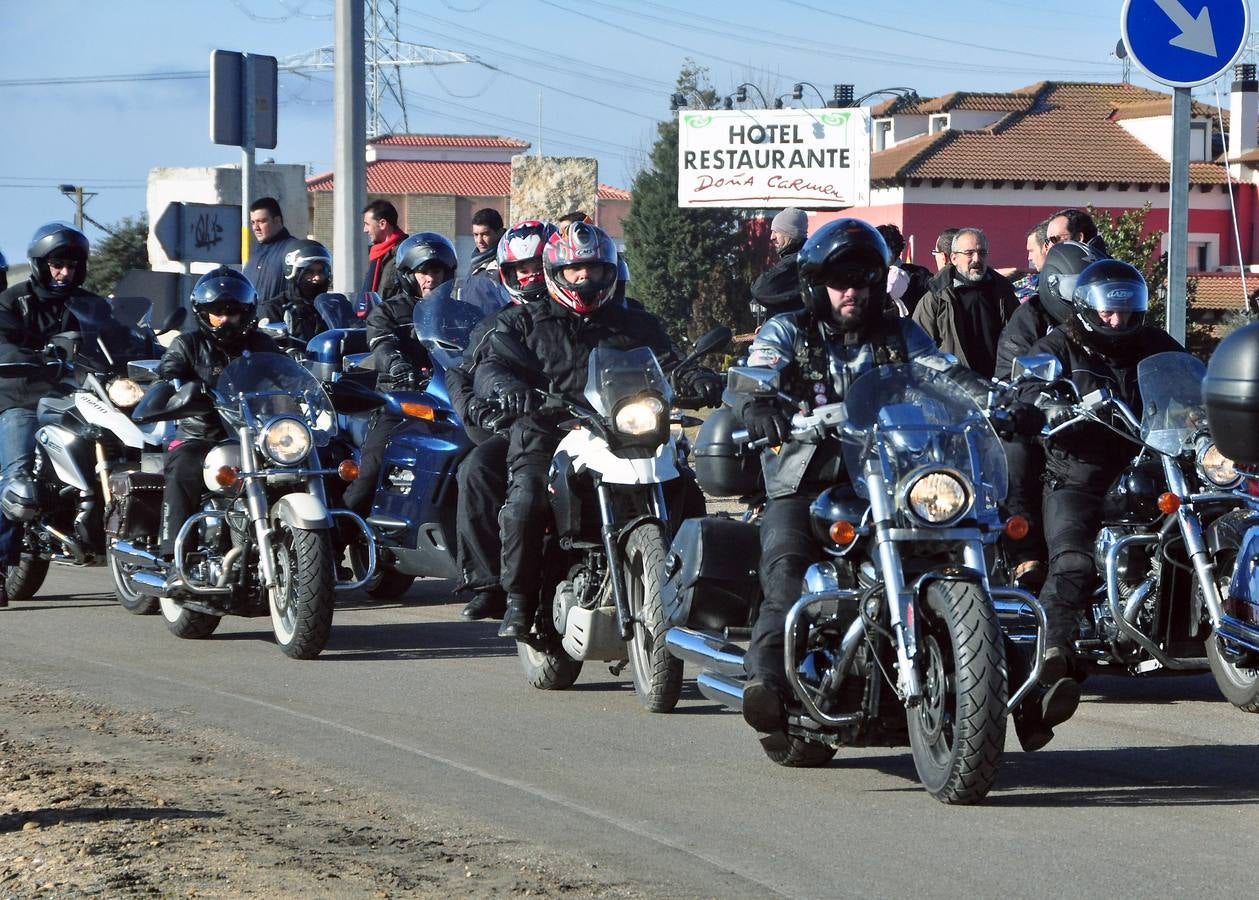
(307, 274)
(225, 308)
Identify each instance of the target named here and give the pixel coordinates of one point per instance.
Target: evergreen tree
(125, 249)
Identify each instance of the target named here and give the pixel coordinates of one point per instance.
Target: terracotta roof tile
(977, 101)
(461, 179)
(1222, 290)
(483, 141)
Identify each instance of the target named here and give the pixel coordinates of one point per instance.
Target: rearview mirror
(175, 320)
(276, 330)
(753, 380)
(1037, 367)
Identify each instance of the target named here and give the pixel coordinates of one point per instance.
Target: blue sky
(603, 70)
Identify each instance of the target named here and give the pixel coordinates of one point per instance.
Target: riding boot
(1036, 716)
(764, 707)
(518, 618)
(490, 604)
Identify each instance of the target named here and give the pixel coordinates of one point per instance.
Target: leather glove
(1018, 418)
(515, 397)
(1056, 411)
(704, 384)
(482, 414)
(401, 372)
(765, 421)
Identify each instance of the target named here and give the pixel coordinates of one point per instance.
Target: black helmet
(301, 256)
(420, 248)
(848, 251)
(57, 240)
(1109, 286)
(1058, 276)
(225, 294)
(4, 271)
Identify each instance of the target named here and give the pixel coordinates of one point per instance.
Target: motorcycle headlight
(938, 497)
(639, 417)
(124, 393)
(1217, 468)
(286, 441)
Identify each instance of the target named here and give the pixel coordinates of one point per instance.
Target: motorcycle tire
(306, 579)
(957, 732)
(547, 667)
(25, 577)
(1240, 686)
(657, 673)
(186, 623)
(391, 585)
(800, 754)
(128, 597)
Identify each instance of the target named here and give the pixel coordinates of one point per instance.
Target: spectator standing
(265, 268)
(380, 224)
(778, 288)
(487, 228)
(944, 248)
(968, 305)
(919, 277)
(1075, 225)
(1038, 245)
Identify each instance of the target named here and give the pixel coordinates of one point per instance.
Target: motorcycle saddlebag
(136, 508)
(723, 468)
(711, 574)
(1231, 394)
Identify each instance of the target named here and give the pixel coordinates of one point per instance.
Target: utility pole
(76, 193)
(349, 162)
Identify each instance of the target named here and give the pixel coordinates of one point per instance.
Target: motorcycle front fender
(302, 511)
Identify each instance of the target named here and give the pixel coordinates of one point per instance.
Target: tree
(123, 250)
(1127, 240)
(685, 262)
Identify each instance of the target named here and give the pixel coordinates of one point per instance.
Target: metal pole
(349, 166)
(1178, 217)
(78, 207)
(249, 109)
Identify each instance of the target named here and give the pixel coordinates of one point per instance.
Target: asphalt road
(1150, 791)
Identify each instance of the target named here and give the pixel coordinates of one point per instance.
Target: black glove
(515, 397)
(401, 372)
(704, 384)
(482, 414)
(766, 421)
(1018, 418)
(1056, 411)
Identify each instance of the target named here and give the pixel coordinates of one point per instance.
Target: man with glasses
(968, 305)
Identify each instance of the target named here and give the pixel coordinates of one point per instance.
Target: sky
(122, 87)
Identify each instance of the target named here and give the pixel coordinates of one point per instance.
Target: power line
(104, 79)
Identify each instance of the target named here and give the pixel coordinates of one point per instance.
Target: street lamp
(797, 92)
(77, 194)
(679, 101)
(741, 94)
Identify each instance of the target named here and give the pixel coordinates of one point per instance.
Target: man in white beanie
(778, 290)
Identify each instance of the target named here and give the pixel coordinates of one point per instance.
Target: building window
(939, 123)
(1198, 132)
(882, 135)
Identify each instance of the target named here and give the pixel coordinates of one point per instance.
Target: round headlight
(640, 417)
(124, 393)
(938, 497)
(286, 441)
(1216, 467)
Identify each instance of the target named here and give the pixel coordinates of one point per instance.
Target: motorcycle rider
(1099, 347)
(841, 333)
(424, 261)
(4, 272)
(580, 270)
(307, 274)
(30, 314)
(482, 474)
(225, 307)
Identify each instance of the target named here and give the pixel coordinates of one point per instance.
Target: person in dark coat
(919, 276)
(778, 288)
(487, 229)
(380, 224)
(307, 274)
(265, 268)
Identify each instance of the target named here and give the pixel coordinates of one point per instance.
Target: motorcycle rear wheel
(391, 585)
(800, 754)
(128, 597)
(306, 579)
(1240, 686)
(186, 623)
(657, 673)
(25, 577)
(957, 732)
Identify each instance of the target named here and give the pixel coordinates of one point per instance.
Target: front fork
(256, 503)
(611, 534)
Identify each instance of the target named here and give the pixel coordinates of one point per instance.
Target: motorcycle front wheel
(304, 596)
(25, 577)
(1239, 685)
(657, 673)
(957, 732)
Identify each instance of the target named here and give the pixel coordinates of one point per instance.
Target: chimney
(1243, 111)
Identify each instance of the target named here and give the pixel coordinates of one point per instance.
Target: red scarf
(377, 252)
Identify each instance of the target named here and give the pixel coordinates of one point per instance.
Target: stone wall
(548, 187)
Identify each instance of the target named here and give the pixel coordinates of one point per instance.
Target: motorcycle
(262, 543)
(1173, 524)
(897, 637)
(86, 444)
(605, 561)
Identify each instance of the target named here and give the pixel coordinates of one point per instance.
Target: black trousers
(482, 478)
(1072, 517)
(788, 548)
(1026, 463)
(362, 490)
(181, 496)
(522, 522)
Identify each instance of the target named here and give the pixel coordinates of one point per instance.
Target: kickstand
(618, 667)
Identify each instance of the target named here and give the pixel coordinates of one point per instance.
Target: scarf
(377, 252)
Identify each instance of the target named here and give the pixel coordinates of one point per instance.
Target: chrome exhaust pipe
(148, 584)
(133, 555)
(704, 651)
(721, 689)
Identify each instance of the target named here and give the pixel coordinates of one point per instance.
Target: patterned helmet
(524, 241)
(580, 245)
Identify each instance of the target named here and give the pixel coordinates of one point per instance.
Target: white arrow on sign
(1195, 34)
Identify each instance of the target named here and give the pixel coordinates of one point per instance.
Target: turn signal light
(348, 470)
(1168, 503)
(843, 533)
(226, 476)
(1016, 528)
(418, 411)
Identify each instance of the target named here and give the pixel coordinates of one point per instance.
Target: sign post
(1183, 50)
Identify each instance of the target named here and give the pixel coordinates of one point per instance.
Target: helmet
(225, 305)
(421, 248)
(301, 255)
(847, 253)
(522, 241)
(1107, 286)
(57, 240)
(1058, 276)
(580, 243)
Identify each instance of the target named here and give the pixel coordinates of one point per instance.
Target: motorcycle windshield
(337, 311)
(909, 416)
(614, 376)
(1172, 411)
(265, 385)
(110, 342)
(445, 318)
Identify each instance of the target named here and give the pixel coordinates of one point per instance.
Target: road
(1150, 790)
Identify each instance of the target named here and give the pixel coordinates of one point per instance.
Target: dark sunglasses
(855, 278)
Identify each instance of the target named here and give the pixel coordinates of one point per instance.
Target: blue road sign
(1185, 43)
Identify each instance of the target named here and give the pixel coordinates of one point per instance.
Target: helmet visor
(841, 278)
(1113, 297)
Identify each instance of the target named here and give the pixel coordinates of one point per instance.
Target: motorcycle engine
(1133, 568)
(580, 588)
